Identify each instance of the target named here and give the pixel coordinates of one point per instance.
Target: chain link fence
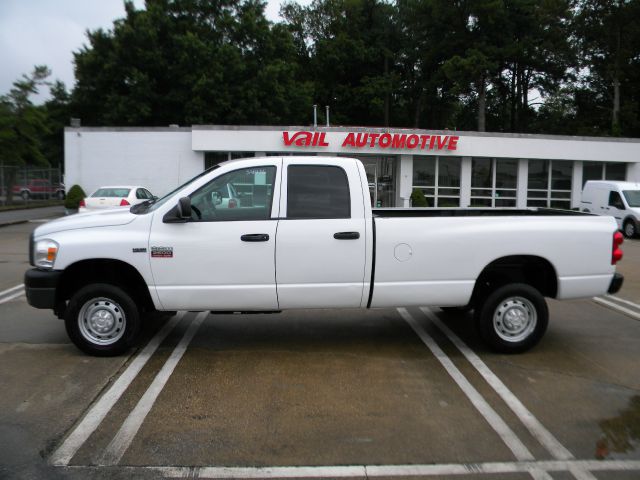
(29, 184)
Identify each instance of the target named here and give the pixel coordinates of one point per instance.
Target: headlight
(44, 253)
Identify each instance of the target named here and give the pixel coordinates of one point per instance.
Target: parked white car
(620, 200)
(114, 197)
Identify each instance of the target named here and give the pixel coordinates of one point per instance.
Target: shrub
(74, 196)
(418, 199)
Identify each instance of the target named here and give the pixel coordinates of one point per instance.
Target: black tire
(529, 318)
(629, 229)
(102, 320)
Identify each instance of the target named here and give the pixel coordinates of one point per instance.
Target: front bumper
(40, 287)
(616, 283)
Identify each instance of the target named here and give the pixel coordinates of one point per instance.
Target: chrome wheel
(102, 321)
(514, 319)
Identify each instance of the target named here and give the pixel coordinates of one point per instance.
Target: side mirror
(181, 213)
(184, 208)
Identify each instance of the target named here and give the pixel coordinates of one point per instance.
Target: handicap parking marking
(127, 432)
(94, 417)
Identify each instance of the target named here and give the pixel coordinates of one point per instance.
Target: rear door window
(317, 191)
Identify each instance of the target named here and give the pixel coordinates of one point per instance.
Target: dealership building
(451, 168)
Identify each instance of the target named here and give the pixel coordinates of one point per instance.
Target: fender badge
(139, 250)
(162, 252)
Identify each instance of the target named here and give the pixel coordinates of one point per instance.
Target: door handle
(255, 237)
(346, 235)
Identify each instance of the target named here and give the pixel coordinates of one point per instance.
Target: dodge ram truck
(303, 235)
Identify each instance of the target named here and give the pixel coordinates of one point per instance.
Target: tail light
(616, 253)
(124, 203)
(82, 203)
(233, 203)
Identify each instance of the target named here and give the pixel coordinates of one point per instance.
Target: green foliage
(418, 199)
(22, 123)
(74, 195)
(553, 66)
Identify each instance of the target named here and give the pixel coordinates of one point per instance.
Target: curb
(13, 222)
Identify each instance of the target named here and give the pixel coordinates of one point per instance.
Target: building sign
(374, 140)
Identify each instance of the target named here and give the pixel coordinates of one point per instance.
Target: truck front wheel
(102, 320)
(513, 318)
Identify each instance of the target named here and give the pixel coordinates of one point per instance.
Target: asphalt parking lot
(389, 393)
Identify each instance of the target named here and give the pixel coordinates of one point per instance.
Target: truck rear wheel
(513, 318)
(102, 320)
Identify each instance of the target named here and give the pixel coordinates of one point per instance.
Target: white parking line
(65, 452)
(507, 435)
(617, 307)
(122, 440)
(535, 427)
(11, 297)
(364, 471)
(12, 289)
(11, 293)
(622, 300)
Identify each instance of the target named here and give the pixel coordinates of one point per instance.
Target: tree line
(532, 66)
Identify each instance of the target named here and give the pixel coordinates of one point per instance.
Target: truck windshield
(151, 205)
(632, 197)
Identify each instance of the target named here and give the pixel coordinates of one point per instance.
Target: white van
(618, 199)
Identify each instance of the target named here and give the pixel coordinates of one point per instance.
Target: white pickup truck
(301, 234)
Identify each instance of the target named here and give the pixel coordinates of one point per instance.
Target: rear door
(320, 248)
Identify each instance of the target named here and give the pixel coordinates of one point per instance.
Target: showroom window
(603, 171)
(549, 184)
(494, 182)
(439, 180)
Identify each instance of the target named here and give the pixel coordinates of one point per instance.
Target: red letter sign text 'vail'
(371, 140)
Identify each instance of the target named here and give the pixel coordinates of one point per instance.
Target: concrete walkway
(11, 217)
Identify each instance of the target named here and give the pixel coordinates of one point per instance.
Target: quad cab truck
(305, 236)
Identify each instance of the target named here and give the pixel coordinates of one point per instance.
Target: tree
(190, 61)
(609, 39)
(21, 125)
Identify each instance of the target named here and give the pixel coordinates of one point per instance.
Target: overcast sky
(46, 32)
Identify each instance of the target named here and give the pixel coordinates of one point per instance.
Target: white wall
(158, 160)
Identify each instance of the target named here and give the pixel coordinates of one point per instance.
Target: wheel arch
(103, 270)
(531, 270)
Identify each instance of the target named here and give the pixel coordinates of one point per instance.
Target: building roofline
(533, 136)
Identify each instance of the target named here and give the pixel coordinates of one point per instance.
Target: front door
(223, 259)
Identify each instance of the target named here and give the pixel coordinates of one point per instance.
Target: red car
(39, 188)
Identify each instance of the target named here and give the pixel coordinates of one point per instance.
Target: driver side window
(244, 194)
(616, 201)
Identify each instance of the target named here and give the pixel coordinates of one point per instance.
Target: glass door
(381, 180)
